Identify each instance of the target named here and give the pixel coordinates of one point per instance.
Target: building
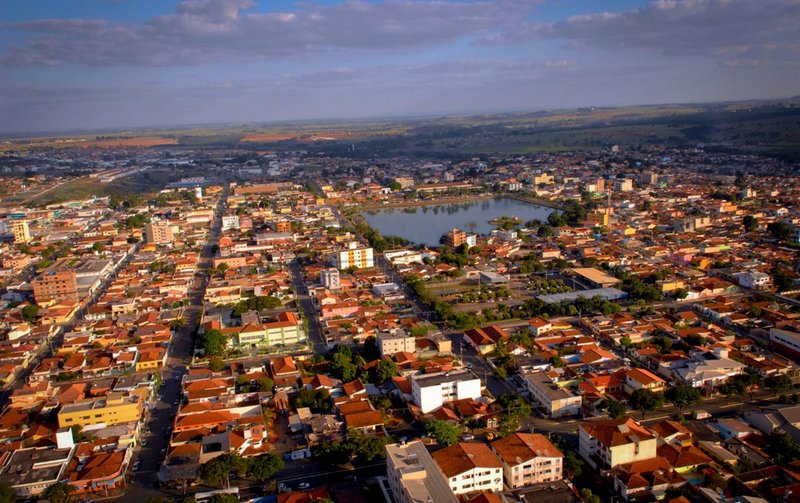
(594, 277)
(22, 233)
(470, 467)
(785, 341)
(455, 238)
(755, 280)
(393, 343)
(413, 475)
(115, 408)
(528, 458)
(329, 278)
(158, 232)
(406, 182)
(30, 471)
(354, 256)
(556, 401)
(56, 286)
(431, 391)
(609, 443)
(623, 185)
(286, 328)
(230, 222)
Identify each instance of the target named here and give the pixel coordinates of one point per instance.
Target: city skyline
(100, 64)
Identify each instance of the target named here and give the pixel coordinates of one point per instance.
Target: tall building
(158, 232)
(607, 444)
(470, 467)
(56, 286)
(22, 233)
(330, 278)
(414, 476)
(528, 458)
(455, 238)
(354, 256)
(431, 391)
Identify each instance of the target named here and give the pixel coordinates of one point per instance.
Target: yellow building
(115, 408)
(22, 233)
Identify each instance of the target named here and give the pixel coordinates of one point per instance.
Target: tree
(216, 364)
(318, 400)
(778, 383)
(264, 467)
(98, 247)
(385, 370)
(214, 342)
(265, 384)
(781, 230)
(215, 472)
(573, 464)
(371, 351)
(395, 186)
(177, 323)
(223, 498)
(7, 494)
(683, 396)
(29, 313)
(58, 493)
(589, 496)
(782, 448)
(444, 432)
(342, 366)
(614, 408)
(645, 400)
(750, 223)
(515, 410)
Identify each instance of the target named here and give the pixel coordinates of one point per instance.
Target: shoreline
(458, 200)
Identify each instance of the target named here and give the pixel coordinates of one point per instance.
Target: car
(303, 485)
(144, 443)
(467, 437)
(163, 451)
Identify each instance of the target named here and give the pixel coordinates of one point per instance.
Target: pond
(426, 224)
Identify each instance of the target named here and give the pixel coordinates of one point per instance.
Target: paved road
(307, 306)
(160, 420)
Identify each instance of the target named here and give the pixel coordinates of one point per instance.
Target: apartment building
(606, 444)
(22, 233)
(557, 401)
(329, 278)
(114, 408)
(528, 458)
(354, 256)
(455, 238)
(158, 232)
(56, 286)
(285, 328)
(414, 476)
(431, 391)
(392, 343)
(470, 467)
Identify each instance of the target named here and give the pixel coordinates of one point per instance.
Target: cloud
(201, 31)
(676, 28)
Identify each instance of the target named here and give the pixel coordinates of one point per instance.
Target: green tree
(395, 186)
(216, 364)
(58, 493)
(318, 400)
(778, 383)
(573, 464)
(385, 370)
(781, 230)
(264, 467)
(750, 223)
(614, 408)
(223, 498)
(98, 247)
(444, 432)
(265, 384)
(683, 396)
(371, 351)
(645, 400)
(30, 312)
(7, 494)
(214, 342)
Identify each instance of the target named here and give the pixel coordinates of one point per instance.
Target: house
(607, 443)
(646, 477)
(470, 467)
(556, 401)
(639, 378)
(539, 326)
(431, 391)
(483, 340)
(528, 458)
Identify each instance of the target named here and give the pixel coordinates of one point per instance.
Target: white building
(330, 278)
(754, 280)
(431, 391)
(413, 475)
(556, 401)
(230, 222)
(354, 256)
(392, 343)
(528, 458)
(470, 467)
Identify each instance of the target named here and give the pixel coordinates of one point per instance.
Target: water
(427, 224)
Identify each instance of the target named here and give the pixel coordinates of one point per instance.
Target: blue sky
(88, 64)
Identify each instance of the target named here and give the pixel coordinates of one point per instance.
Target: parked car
(303, 485)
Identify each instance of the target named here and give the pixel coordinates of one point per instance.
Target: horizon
(94, 65)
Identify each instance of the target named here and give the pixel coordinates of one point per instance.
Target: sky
(91, 64)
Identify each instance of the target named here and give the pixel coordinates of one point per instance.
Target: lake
(427, 224)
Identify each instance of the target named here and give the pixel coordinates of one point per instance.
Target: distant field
(134, 141)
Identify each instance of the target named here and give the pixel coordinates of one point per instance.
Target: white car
(303, 485)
